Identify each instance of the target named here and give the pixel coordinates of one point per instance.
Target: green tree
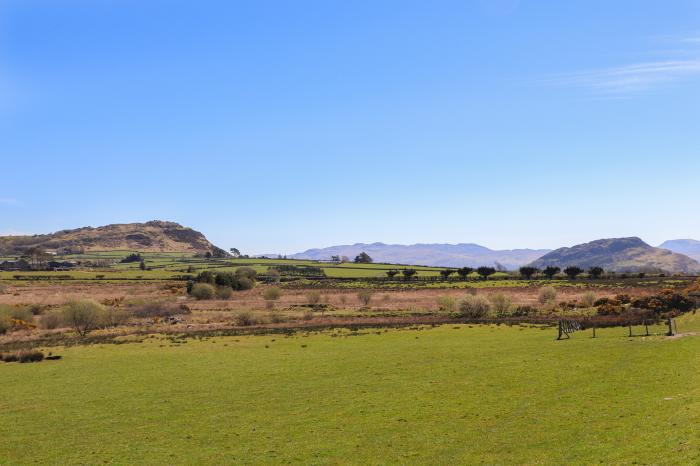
(392, 273)
(528, 272)
(595, 272)
(572, 272)
(363, 258)
(464, 272)
(551, 271)
(446, 273)
(485, 272)
(408, 273)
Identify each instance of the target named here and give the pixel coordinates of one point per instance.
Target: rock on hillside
(154, 236)
(620, 255)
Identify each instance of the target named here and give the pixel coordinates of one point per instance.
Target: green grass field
(445, 395)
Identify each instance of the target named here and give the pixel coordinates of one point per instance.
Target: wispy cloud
(636, 77)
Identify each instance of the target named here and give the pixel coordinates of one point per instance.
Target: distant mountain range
(616, 254)
(689, 247)
(155, 236)
(447, 255)
(620, 255)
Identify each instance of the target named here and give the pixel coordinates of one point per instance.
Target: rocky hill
(446, 255)
(689, 247)
(620, 255)
(155, 236)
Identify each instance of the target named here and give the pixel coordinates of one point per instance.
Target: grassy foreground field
(451, 394)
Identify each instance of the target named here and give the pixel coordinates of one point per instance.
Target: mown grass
(451, 394)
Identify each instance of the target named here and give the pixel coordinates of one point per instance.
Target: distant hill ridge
(447, 255)
(153, 236)
(689, 247)
(620, 255)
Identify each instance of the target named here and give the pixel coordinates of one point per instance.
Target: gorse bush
(270, 295)
(247, 318)
(30, 356)
(501, 305)
(113, 317)
(22, 313)
(547, 295)
(224, 292)
(447, 304)
(51, 320)
(313, 297)
(83, 315)
(365, 297)
(203, 291)
(588, 299)
(474, 307)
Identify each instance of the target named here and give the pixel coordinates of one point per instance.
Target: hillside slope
(620, 255)
(689, 247)
(154, 236)
(447, 255)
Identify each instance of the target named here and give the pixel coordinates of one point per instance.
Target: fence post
(670, 327)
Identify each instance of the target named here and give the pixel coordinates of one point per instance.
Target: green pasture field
(169, 266)
(445, 395)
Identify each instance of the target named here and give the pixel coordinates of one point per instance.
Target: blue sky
(278, 126)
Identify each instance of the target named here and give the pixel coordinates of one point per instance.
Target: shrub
(134, 257)
(17, 313)
(447, 304)
(547, 295)
(524, 311)
(276, 317)
(23, 356)
(35, 309)
(6, 323)
(501, 304)
(203, 291)
(30, 356)
(82, 315)
(270, 295)
(245, 283)
(246, 318)
(313, 297)
(474, 307)
(51, 320)
(3, 288)
(246, 272)
(226, 279)
(273, 275)
(149, 309)
(9, 357)
(224, 292)
(588, 299)
(365, 297)
(113, 317)
(610, 309)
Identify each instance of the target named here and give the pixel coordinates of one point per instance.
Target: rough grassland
(443, 395)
